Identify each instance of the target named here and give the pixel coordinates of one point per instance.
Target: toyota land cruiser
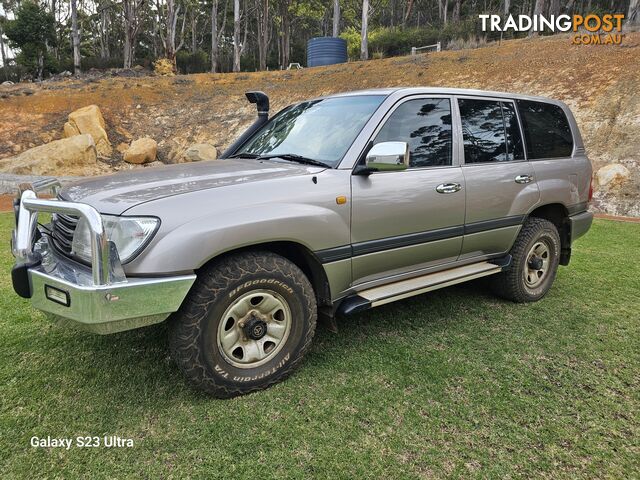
(332, 206)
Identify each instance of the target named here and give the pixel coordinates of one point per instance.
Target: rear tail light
(590, 190)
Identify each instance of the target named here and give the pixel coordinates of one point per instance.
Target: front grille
(62, 229)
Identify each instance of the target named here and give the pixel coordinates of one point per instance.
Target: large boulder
(89, 120)
(72, 156)
(143, 150)
(200, 152)
(613, 175)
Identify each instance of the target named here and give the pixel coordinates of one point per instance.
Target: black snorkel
(262, 104)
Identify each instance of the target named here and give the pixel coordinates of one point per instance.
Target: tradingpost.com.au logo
(600, 29)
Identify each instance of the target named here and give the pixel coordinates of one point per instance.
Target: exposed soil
(600, 84)
(6, 203)
(618, 218)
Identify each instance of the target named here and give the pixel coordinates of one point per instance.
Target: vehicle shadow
(137, 365)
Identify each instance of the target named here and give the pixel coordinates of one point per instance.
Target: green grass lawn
(454, 383)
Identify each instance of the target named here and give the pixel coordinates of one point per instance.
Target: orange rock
(143, 150)
(89, 120)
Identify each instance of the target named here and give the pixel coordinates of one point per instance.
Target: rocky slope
(600, 83)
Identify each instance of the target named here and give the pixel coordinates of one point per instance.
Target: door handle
(524, 179)
(448, 188)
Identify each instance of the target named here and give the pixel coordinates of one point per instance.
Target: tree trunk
(104, 33)
(336, 18)
(263, 33)
(75, 37)
(236, 35)
(127, 53)
(214, 36)
(407, 14)
(285, 36)
(446, 9)
(171, 23)
(633, 16)
(507, 6)
(194, 30)
(364, 44)
(455, 16)
(131, 27)
(40, 65)
(3, 56)
(537, 10)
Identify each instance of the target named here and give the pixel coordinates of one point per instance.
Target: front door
(500, 183)
(412, 219)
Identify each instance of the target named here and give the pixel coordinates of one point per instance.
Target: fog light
(56, 295)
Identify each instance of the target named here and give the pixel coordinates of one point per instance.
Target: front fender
(193, 244)
(202, 225)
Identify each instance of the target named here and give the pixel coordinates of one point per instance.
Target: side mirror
(388, 156)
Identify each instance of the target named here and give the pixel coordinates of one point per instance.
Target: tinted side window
(425, 124)
(483, 131)
(547, 131)
(515, 147)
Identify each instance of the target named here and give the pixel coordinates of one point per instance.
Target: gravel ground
(9, 182)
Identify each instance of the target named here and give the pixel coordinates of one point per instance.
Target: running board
(376, 296)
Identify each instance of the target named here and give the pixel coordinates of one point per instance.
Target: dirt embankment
(600, 84)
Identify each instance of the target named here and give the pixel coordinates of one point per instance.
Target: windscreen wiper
(294, 158)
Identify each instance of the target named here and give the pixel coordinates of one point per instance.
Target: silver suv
(332, 206)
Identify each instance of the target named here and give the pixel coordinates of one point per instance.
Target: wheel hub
(255, 328)
(536, 263)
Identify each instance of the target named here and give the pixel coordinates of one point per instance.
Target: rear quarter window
(546, 130)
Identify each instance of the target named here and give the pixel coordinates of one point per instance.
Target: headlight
(130, 235)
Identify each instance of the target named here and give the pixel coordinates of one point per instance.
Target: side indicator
(341, 200)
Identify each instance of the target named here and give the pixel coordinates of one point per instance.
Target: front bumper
(100, 299)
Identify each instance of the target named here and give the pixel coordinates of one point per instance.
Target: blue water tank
(326, 51)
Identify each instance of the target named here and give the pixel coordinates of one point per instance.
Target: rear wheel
(535, 254)
(246, 324)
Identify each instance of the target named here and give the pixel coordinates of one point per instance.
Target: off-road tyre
(512, 284)
(193, 331)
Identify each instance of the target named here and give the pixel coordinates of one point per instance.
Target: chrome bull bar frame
(30, 206)
(102, 299)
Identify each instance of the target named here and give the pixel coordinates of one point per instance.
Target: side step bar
(391, 292)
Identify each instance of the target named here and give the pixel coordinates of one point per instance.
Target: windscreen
(319, 129)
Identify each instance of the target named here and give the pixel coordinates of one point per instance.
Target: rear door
(500, 183)
(404, 221)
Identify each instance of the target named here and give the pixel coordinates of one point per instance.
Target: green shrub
(389, 42)
(197, 62)
(13, 73)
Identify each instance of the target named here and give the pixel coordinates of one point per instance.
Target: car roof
(403, 91)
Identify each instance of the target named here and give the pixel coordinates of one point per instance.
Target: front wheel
(246, 324)
(535, 254)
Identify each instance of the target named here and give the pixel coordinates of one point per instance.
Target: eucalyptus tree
(263, 34)
(217, 32)
(633, 16)
(75, 37)
(169, 13)
(132, 12)
(364, 31)
(239, 44)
